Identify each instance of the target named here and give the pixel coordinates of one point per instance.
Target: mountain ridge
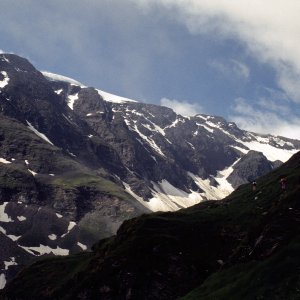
(97, 159)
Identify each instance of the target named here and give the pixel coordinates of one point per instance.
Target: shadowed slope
(165, 255)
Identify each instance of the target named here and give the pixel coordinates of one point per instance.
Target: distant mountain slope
(243, 247)
(181, 160)
(96, 159)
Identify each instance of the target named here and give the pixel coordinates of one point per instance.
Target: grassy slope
(172, 253)
(274, 278)
(277, 276)
(21, 143)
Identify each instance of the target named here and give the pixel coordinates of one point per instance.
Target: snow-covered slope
(57, 77)
(201, 142)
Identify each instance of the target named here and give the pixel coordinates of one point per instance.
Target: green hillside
(243, 247)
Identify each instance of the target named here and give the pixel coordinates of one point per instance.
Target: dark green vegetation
(243, 247)
(274, 278)
(20, 143)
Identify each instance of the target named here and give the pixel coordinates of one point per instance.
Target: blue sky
(237, 59)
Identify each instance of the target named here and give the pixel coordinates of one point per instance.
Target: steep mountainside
(170, 160)
(243, 247)
(75, 162)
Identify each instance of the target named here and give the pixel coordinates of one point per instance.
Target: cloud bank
(270, 29)
(232, 67)
(266, 116)
(147, 49)
(182, 107)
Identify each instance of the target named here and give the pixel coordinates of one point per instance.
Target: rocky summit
(76, 162)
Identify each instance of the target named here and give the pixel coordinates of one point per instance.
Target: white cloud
(106, 38)
(270, 29)
(273, 106)
(181, 107)
(231, 67)
(272, 119)
(1, 51)
(288, 79)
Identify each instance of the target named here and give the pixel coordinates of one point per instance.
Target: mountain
(243, 247)
(75, 162)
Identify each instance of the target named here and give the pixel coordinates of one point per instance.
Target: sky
(235, 59)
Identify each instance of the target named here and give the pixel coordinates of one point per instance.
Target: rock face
(249, 167)
(97, 159)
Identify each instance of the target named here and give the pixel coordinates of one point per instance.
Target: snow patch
(271, 153)
(12, 262)
(58, 92)
(174, 124)
(166, 197)
(82, 246)
(70, 227)
(41, 135)
(2, 230)
(224, 186)
(4, 216)
(32, 172)
(113, 98)
(4, 58)
(52, 237)
(4, 161)
(21, 218)
(72, 154)
(192, 146)
(223, 189)
(203, 117)
(10, 236)
(71, 100)
(5, 80)
(245, 151)
(13, 237)
(210, 192)
(205, 127)
(56, 77)
(42, 249)
(150, 141)
(211, 124)
(2, 281)
(156, 127)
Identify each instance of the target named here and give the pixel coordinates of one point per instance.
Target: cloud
(231, 67)
(270, 105)
(288, 79)
(181, 107)
(112, 45)
(270, 29)
(268, 117)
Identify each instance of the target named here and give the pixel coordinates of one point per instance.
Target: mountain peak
(97, 159)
